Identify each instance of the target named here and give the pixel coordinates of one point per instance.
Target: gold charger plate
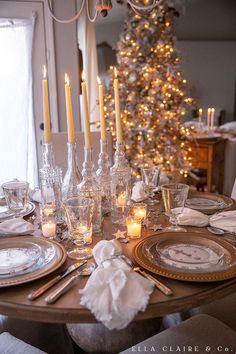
(146, 257)
(208, 203)
(53, 255)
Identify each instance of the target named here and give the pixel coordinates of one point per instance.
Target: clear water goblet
(174, 198)
(78, 214)
(151, 178)
(16, 196)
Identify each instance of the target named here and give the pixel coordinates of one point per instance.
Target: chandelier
(102, 7)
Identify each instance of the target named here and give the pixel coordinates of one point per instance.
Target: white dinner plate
(6, 214)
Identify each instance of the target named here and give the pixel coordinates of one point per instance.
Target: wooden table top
(67, 309)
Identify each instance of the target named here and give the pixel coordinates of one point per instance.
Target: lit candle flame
(115, 72)
(98, 80)
(67, 81)
(213, 110)
(44, 72)
(83, 76)
(200, 111)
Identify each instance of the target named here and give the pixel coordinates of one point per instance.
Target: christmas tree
(152, 93)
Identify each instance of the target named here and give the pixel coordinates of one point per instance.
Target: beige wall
(66, 58)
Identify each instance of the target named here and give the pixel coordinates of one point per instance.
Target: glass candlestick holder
(50, 185)
(120, 186)
(48, 155)
(89, 188)
(72, 176)
(103, 177)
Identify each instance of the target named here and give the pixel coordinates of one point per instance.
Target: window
(17, 128)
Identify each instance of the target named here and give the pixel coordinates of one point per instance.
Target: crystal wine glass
(16, 195)
(151, 177)
(174, 198)
(78, 214)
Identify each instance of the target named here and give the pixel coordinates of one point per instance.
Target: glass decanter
(89, 188)
(72, 176)
(120, 186)
(104, 178)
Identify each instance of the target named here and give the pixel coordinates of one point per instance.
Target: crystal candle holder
(72, 176)
(120, 186)
(103, 177)
(89, 188)
(50, 185)
(139, 211)
(134, 227)
(48, 220)
(48, 156)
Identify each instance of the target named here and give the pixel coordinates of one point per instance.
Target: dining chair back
(233, 194)
(59, 141)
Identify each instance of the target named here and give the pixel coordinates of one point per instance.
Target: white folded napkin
(138, 192)
(192, 218)
(225, 220)
(35, 195)
(114, 293)
(16, 226)
(163, 180)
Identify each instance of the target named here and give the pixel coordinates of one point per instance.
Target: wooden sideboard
(209, 154)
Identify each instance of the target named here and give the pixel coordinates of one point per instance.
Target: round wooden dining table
(67, 309)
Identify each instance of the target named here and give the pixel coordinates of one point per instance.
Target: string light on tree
(152, 93)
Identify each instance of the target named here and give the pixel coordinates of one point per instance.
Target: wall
(66, 60)
(209, 68)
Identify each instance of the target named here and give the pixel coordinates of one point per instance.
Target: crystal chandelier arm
(144, 7)
(88, 13)
(69, 20)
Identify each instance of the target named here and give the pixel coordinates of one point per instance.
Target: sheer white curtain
(87, 44)
(18, 157)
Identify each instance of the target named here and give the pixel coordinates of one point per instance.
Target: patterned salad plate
(208, 203)
(196, 257)
(6, 214)
(26, 258)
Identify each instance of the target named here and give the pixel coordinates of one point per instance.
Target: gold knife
(163, 288)
(38, 292)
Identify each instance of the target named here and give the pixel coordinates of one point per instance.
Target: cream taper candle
(46, 113)
(117, 108)
(212, 117)
(101, 106)
(208, 118)
(200, 118)
(69, 112)
(87, 136)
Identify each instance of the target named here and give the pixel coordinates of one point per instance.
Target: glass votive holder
(48, 220)
(133, 227)
(87, 233)
(139, 211)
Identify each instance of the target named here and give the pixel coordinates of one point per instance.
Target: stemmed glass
(78, 214)
(151, 177)
(16, 195)
(174, 197)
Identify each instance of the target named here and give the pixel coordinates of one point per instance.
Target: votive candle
(133, 227)
(49, 229)
(140, 211)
